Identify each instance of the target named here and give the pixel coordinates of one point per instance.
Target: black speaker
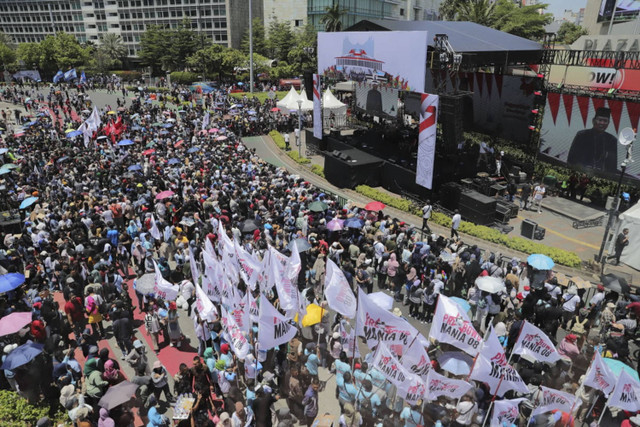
(450, 195)
(343, 156)
(308, 84)
(540, 232)
(335, 153)
(528, 228)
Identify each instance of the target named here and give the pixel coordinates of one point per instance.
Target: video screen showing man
(595, 148)
(374, 101)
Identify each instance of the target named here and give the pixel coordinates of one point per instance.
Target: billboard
(582, 132)
(596, 78)
(395, 59)
(377, 100)
(624, 8)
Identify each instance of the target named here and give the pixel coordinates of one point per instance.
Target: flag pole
(606, 405)
(355, 332)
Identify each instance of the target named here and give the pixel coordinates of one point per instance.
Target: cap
(336, 335)
(600, 287)
(157, 364)
(571, 337)
(137, 344)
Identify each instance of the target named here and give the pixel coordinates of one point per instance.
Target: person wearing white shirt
(426, 215)
(570, 303)
(538, 194)
(455, 223)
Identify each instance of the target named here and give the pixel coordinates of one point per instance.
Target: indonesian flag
(385, 362)
(599, 376)
(234, 335)
(491, 367)
(273, 328)
(505, 411)
(533, 342)
(438, 385)
(338, 292)
(451, 325)
(626, 395)
(556, 400)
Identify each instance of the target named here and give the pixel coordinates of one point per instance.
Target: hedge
(17, 411)
(127, 75)
(295, 156)
(278, 139)
(560, 256)
(183, 77)
(318, 170)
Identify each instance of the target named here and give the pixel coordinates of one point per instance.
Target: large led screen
(376, 99)
(624, 9)
(395, 59)
(583, 133)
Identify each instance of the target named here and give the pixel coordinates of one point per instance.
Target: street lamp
(626, 138)
(299, 134)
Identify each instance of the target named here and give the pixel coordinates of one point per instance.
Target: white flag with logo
(416, 360)
(626, 395)
(553, 399)
(348, 341)
(438, 385)
(273, 328)
(193, 265)
(204, 307)
(249, 266)
(287, 290)
(212, 277)
(413, 389)
(389, 366)
(451, 325)
(376, 324)
(294, 264)
(535, 343)
(491, 367)
(505, 412)
(338, 292)
(599, 376)
(162, 287)
(154, 230)
(254, 313)
(234, 335)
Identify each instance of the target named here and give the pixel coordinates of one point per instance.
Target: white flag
(376, 324)
(599, 376)
(389, 366)
(535, 343)
(204, 307)
(438, 385)
(553, 399)
(154, 231)
(254, 313)
(240, 311)
(348, 341)
(205, 120)
(287, 290)
(273, 328)
(234, 335)
(416, 360)
(451, 325)
(163, 288)
(491, 367)
(212, 277)
(338, 292)
(294, 264)
(193, 265)
(505, 411)
(626, 395)
(413, 389)
(249, 266)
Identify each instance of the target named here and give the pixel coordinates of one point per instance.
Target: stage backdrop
(566, 115)
(377, 100)
(391, 58)
(597, 78)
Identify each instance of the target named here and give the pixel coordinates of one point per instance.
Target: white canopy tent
(292, 96)
(306, 105)
(631, 220)
(334, 112)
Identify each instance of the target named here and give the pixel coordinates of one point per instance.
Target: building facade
(223, 21)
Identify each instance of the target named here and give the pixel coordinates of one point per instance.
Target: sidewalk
(273, 154)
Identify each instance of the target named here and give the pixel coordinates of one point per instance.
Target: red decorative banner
(479, 81)
(568, 106)
(553, 99)
(489, 78)
(633, 108)
(583, 104)
(616, 111)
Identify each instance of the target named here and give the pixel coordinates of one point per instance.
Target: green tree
(183, 43)
(207, 60)
(154, 49)
(101, 62)
(280, 41)
(232, 59)
(31, 54)
(7, 56)
(8, 40)
(479, 11)
(570, 32)
(68, 52)
(259, 39)
(112, 46)
(332, 19)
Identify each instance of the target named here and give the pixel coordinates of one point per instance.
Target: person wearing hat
(160, 376)
(595, 148)
(173, 327)
(568, 347)
(137, 358)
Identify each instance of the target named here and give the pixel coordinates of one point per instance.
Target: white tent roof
(631, 220)
(292, 96)
(330, 102)
(307, 105)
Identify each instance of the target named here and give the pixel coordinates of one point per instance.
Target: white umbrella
(490, 284)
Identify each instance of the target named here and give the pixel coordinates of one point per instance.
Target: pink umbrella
(221, 138)
(202, 132)
(213, 130)
(164, 194)
(335, 224)
(14, 322)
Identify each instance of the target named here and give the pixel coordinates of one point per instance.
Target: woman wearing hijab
(175, 333)
(111, 374)
(105, 420)
(392, 270)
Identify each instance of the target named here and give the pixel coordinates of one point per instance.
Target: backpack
(579, 327)
(366, 411)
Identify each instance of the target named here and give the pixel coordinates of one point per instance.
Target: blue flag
(83, 78)
(59, 75)
(70, 75)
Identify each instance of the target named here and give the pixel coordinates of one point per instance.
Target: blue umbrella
(125, 142)
(353, 223)
(173, 161)
(167, 125)
(617, 367)
(193, 150)
(62, 159)
(4, 150)
(4, 171)
(22, 355)
(464, 305)
(540, 262)
(163, 132)
(134, 168)
(28, 202)
(10, 281)
(136, 127)
(302, 245)
(74, 133)
(252, 112)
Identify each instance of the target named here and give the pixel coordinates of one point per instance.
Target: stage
(573, 209)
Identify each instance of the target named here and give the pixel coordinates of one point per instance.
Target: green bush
(127, 75)
(294, 155)
(183, 77)
(318, 170)
(16, 411)
(560, 256)
(278, 139)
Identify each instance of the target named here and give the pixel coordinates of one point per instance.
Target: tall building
(223, 21)
(599, 14)
(358, 10)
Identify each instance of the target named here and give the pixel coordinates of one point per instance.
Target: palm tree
(112, 45)
(479, 11)
(332, 19)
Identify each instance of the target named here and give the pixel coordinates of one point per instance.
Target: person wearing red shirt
(74, 310)
(635, 306)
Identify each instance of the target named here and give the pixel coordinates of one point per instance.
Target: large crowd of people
(109, 214)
